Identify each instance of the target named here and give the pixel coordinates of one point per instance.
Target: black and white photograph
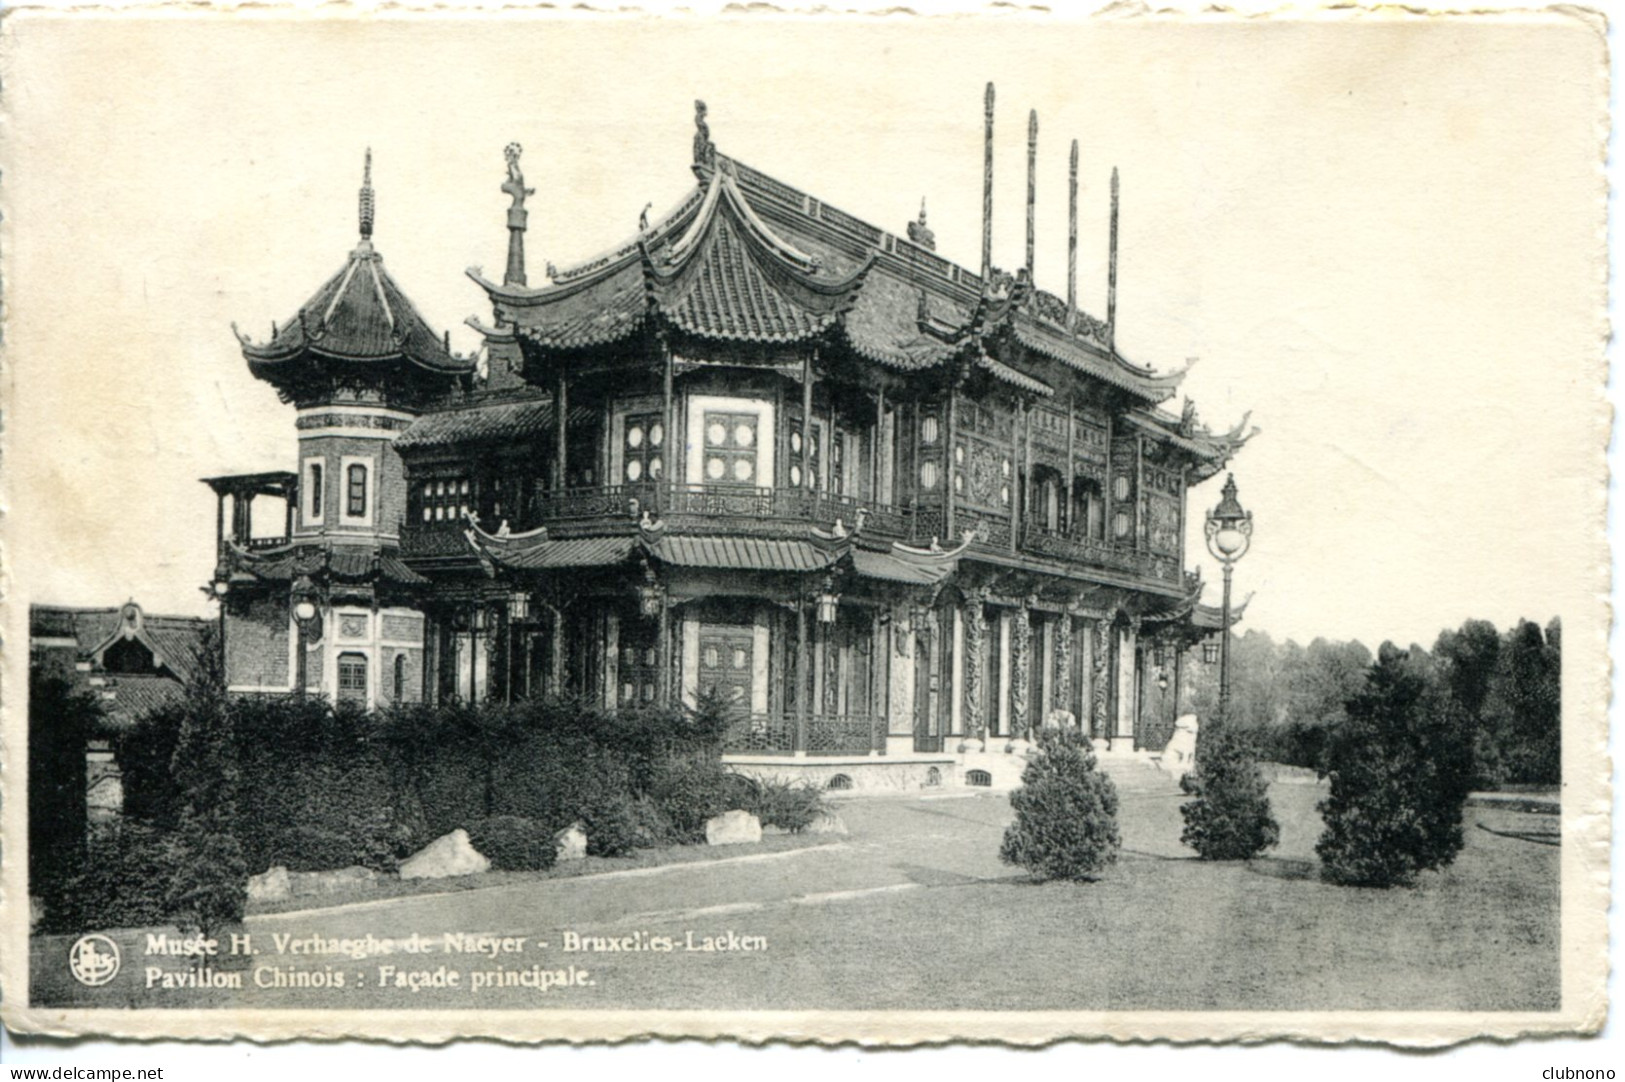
(890, 529)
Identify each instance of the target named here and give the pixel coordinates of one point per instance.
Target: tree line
(1506, 685)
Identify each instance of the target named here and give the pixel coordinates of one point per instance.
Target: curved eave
(1091, 361)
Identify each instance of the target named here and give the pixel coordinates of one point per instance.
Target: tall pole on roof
(1072, 239)
(987, 184)
(1032, 183)
(1111, 275)
(368, 203)
(514, 188)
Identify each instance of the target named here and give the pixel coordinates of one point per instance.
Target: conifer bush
(1230, 817)
(1066, 812)
(514, 843)
(1400, 767)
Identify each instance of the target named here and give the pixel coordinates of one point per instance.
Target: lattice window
(639, 669)
(978, 777)
(839, 781)
(356, 490)
(806, 464)
(730, 441)
(444, 499)
(643, 448)
(353, 677)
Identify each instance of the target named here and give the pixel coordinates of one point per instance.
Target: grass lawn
(914, 911)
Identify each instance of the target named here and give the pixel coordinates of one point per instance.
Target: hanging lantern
(518, 607)
(1210, 651)
(1159, 654)
(650, 599)
(827, 604)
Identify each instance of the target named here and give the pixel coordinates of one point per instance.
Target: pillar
(975, 663)
(1063, 662)
(1101, 691)
(1021, 636)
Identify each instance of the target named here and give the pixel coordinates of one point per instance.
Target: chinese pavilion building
(884, 504)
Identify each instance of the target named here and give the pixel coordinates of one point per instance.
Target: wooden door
(725, 664)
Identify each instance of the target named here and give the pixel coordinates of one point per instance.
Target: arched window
(400, 678)
(353, 678)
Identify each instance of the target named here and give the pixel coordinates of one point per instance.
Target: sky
(1382, 238)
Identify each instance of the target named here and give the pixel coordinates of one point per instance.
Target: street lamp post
(304, 611)
(1229, 535)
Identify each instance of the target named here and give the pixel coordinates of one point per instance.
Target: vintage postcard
(881, 529)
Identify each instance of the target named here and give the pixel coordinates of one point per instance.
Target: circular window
(1005, 466)
(634, 436)
(795, 475)
(1120, 487)
(928, 430)
(629, 657)
(1004, 494)
(634, 470)
(795, 442)
(744, 435)
(465, 488)
(717, 434)
(711, 657)
(744, 469)
(739, 659)
(715, 468)
(1120, 525)
(656, 468)
(959, 482)
(928, 475)
(959, 455)
(657, 434)
(648, 693)
(427, 514)
(626, 693)
(649, 656)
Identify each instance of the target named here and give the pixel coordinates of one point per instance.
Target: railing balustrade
(825, 734)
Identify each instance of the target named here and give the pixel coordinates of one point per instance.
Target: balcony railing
(746, 509)
(824, 734)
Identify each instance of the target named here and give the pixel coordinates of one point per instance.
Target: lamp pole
(1229, 534)
(304, 611)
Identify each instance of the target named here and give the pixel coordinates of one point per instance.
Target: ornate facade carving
(1063, 662)
(975, 661)
(1100, 691)
(1021, 640)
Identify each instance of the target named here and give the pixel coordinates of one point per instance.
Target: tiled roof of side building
(485, 422)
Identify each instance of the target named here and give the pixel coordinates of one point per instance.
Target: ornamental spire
(987, 184)
(1032, 184)
(367, 199)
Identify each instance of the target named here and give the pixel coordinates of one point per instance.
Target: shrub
(788, 805)
(689, 793)
(308, 848)
(1066, 811)
(120, 885)
(1400, 769)
(514, 843)
(59, 723)
(1230, 818)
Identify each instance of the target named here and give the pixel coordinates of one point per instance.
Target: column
(1100, 693)
(975, 662)
(1127, 685)
(1021, 635)
(1063, 662)
(804, 682)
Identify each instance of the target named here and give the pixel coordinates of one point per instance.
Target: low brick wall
(869, 774)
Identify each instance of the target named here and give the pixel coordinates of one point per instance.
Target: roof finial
(1032, 183)
(1111, 274)
(987, 183)
(705, 152)
(920, 233)
(514, 188)
(367, 201)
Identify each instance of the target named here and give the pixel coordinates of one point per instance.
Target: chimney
(1072, 239)
(987, 186)
(1032, 181)
(1111, 275)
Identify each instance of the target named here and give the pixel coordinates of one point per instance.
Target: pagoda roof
(716, 272)
(340, 563)
(359, 320)
(485, 421)
(745, 257)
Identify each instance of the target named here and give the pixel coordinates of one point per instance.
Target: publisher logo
(94, 959)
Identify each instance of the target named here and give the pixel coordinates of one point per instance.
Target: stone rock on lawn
(272, 886)
(328, 882)
(448, 855)
(733, 828)
(570, 843)
(827, 823)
